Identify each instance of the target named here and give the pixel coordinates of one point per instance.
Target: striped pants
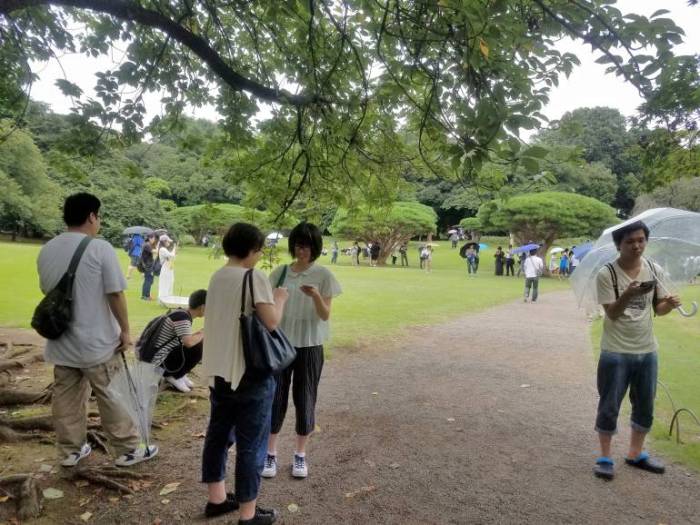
(303, 375)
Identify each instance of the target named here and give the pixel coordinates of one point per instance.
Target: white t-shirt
(533, 267)
(93, 334)
(300, 322)
(223, 347)
(632, 332)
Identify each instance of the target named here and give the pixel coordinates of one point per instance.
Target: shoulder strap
(613, 276)
(283, 276)
(73, 266)
(249, 278)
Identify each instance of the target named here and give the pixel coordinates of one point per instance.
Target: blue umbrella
(525, 248)
(483, 245)
(581, 251)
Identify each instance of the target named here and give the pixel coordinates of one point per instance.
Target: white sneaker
(136, 456)
(179, 384)
(188, 381)
(299, 468)
(73, 458)
(270, 469)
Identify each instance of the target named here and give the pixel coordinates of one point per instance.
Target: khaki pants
(71, 391)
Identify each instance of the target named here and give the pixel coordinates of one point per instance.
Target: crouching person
(179, 349)
(86, 356)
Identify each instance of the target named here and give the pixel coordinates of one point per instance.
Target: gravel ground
(483, 419)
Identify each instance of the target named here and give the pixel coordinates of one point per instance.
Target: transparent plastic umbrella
(135, 387)
(674, 244)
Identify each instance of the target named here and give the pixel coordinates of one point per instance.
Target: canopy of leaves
(390, 225)
(471, 223)
(682, 193)
(462, 78)
(29, 201)
(543, 217)
(203, 219)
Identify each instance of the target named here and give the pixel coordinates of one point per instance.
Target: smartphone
(647, 285)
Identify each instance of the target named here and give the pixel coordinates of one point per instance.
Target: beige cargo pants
(71, 391)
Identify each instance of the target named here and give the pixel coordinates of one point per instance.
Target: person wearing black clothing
(500, 259)
(510, 262)
(146, 264)
(374, 253)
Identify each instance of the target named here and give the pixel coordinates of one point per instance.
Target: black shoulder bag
(54, 312)
(266, 352)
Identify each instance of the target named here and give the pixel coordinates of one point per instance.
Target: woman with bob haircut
(305, 322)
(240, 404)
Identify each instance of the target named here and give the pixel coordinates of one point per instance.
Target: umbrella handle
(693, 310)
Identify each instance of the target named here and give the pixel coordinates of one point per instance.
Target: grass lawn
(376, 302)
(679, 370)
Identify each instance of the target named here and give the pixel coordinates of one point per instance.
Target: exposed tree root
(104, 476)
(24, 489)
(14, 397)
(5, 377)
(98, 440)
(20, 362)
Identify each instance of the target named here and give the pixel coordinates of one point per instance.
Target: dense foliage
(546, 216)
(459, 79)
(389, 226)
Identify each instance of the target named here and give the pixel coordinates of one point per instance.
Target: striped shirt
(177, 325)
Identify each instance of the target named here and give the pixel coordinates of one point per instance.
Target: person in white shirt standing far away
(86, 355)
(533, 268)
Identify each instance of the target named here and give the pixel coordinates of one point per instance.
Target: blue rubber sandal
(645, 462)
(604, 468)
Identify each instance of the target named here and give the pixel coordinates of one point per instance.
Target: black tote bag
(266, 352)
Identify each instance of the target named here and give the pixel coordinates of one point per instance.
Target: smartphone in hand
(647, 286)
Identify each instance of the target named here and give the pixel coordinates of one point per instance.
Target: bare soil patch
(484, 419)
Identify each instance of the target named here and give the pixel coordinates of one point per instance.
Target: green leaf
(659, 13)
(537, 152)
(68, 88)
(530, 164)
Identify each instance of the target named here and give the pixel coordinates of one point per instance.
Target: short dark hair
(306, 234)
(620, 234)
(533, 251)
(78, 207)
(241, 239)
(197, 299)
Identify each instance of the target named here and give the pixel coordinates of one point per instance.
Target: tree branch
(128, 10)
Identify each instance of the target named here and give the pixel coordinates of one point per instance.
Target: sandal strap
(604, 460)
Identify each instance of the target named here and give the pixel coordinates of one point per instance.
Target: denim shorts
(617, 372)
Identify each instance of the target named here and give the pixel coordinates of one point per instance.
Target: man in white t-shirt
(87, 355)
(628, 291)
(533, 268)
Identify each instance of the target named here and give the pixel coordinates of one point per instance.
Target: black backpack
(147, 345)
(54, 312)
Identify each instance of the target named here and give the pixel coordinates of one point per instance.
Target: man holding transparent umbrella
(627, 289)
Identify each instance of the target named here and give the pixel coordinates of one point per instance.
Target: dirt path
(485, 419)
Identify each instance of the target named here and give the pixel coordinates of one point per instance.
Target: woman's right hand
(280, 295)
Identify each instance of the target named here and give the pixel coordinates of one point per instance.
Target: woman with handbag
(305, 323)
(240, 400)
